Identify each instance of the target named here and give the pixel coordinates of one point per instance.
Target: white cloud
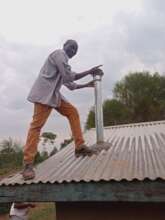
(123, 37)
(46, 21)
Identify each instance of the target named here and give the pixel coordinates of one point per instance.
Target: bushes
(11, 156)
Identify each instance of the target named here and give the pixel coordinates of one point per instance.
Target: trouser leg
(68, 110)
(41, 113)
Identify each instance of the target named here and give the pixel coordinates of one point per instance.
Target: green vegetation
(11, 157)
(48, 137)
(138, 97)
(43, 211)
(66, 142)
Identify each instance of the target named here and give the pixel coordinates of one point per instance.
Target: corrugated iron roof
(136, 151)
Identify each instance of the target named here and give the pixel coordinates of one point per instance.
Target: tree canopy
(143, 94)
(138, 97)
(48, 137)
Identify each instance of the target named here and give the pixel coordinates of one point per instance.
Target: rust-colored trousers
(41, 114)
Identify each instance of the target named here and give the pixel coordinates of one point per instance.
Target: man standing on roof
(45, 94)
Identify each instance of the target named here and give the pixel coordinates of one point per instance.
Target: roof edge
(136, 191)
(133, 124)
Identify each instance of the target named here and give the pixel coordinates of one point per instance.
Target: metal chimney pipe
(98, 109)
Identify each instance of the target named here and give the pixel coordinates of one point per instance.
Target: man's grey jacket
(54, 73)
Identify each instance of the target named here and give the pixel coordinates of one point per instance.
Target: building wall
(109, 211)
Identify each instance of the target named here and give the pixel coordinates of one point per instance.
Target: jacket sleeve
(71, 85)
(59, 60)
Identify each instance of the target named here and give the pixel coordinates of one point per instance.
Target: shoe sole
(83, 155)
(28, 178)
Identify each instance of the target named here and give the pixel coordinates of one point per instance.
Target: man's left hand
(91, 84)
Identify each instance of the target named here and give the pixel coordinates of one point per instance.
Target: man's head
(70, 47)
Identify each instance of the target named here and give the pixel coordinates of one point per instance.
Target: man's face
(70, 49)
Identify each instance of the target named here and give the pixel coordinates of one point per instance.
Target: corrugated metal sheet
(137, 151)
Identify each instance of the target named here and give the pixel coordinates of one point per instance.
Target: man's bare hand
(92, 70)
(96, 71)
(91, 84)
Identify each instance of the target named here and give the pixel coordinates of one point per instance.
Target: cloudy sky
(122, 35)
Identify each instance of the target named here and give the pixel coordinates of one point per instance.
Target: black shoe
(28, 172)
(84, 150)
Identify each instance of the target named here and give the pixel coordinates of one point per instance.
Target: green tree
(138, 97)
(114, 112)
(40, 157)
(90, 123)
(143, 94)
(54, 151)
(10, 155)
(9, 145)
(48, 137)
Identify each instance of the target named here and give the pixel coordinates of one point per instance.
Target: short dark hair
(73, 42)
